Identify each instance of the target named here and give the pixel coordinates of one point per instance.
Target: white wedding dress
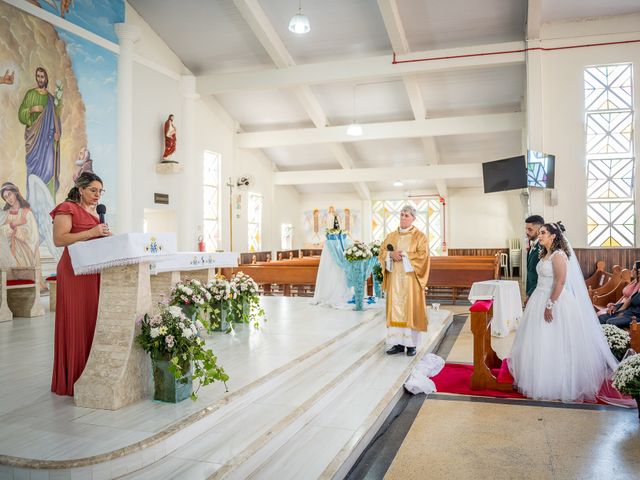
(567, 359)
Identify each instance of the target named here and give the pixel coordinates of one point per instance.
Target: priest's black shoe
(395, 349)
(411, 351)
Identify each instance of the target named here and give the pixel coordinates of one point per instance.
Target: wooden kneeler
(484, 357)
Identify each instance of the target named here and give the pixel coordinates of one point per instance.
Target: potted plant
(193, 298)
(178, 354)
(626, 378)
(619, 340)
(245, 300)
(219, 304)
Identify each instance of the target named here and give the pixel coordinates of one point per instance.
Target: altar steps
(311, 421)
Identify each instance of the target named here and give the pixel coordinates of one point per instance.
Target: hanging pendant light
(355, 129)
(299, 23)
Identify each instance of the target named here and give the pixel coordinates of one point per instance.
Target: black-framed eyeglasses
(99, 191)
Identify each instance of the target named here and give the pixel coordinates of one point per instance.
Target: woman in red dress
(75, 220)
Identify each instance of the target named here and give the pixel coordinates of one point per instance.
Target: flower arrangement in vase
(193, 298)
(626, 378)
(245, 300)
(358, 251)
(178, 353)
(619, 340)
(220, 291)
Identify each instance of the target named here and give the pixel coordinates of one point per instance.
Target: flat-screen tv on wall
(541, 169)
(507, 174)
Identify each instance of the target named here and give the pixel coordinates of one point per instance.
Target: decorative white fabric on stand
(331, 284)
(507, 303)
(117, 250)
(184, 261)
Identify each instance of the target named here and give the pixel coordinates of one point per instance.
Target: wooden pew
(613, 281)
(253, 257)
(601, 298)
(599, 277)
(484, 357)
(285, 273)
(460, 272)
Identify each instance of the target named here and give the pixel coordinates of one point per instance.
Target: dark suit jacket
(532, 263)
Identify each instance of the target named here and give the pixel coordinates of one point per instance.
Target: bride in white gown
(560, 352)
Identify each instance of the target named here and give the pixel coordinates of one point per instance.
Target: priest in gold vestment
(404, 256)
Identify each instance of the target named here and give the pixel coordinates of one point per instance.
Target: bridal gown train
(567, 359)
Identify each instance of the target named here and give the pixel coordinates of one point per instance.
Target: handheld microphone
(101, 210)
(389, 247)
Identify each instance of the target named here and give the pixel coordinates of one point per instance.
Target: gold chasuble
(406, 290)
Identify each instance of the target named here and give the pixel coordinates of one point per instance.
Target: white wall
(560, 129)
(157, 93)
(479, 220)
(286, 201)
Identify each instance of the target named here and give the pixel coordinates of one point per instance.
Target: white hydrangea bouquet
(626, 378)
(220, 291)
(172, 336)
(192, 297)
(245, 300)
(619, 340)
(358, 251)
(375, 247)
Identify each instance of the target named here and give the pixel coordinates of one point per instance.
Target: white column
(191, 204)
(127, 35)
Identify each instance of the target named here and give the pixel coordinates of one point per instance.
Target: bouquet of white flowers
(192, 297)
(245, 300)
(619, 340)
(173, 336)
(358, 251)
(375, 247)
(220, 291)
(626, 378)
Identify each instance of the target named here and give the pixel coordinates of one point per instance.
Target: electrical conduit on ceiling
(521, 50)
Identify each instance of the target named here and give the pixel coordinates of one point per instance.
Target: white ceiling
(233, 36)
(556, 10)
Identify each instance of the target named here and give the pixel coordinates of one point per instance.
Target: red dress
(76, 308)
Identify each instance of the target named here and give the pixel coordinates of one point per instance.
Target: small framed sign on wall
(161, 198)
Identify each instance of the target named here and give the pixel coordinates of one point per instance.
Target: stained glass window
(211, 200)
(386, 218)
(610, 155)
(254, 204)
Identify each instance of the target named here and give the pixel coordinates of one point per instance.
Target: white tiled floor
(34, 423)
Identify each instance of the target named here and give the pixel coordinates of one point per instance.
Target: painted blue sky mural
(95, 68)
(96, 16)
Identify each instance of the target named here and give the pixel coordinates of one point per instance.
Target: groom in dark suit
(532, 227)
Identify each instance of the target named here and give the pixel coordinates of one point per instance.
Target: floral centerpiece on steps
(193, 298)
(376, 268)
(219, 304)
(245, 301)
(626, 378)
(359, 257)
(178, 354)
(619, 340)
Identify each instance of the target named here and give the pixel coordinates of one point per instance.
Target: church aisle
(467, 437)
